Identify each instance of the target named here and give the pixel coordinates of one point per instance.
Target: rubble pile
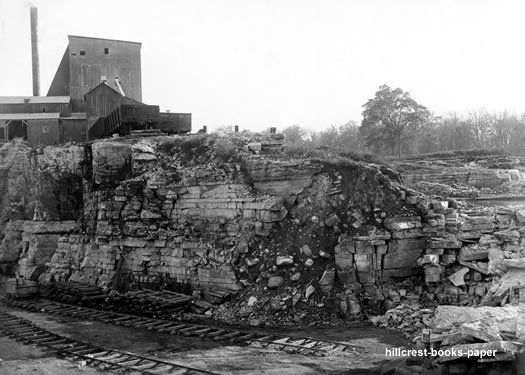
(469, 339)
(409, 319)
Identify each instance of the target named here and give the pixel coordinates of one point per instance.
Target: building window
(45, 129)
(106, 51)
(82, 53)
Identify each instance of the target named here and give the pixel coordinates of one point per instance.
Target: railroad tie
(227, 336)
(245, 337)
(189, 330)
(162, 327)
(174, 330)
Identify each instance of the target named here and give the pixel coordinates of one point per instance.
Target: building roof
(111, 40)
(75, 116)
(29, 116)
(103, 84)
(106, 85)
(34, 99)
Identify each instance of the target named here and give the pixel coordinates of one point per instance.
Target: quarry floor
(16, 358)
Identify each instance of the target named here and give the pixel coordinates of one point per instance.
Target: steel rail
(94, 355)
(298, 344)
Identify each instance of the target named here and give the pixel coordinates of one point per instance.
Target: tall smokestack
(34, 51)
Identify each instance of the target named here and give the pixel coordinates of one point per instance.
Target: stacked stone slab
(460, 252)
(185, 222)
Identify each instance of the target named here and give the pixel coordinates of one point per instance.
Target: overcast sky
(258, 63)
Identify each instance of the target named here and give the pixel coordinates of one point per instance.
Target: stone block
(376, 235)
(481, 227)
(366, 277)
(469, 235)
(363, 262)
(326, 282)
(458, 278)
(404, 259)
(410, 233)
(429, 259)
(364, 247)
(496, 256)
(404, 245)
(347, 276)
(430, 229)
(344, 261)
(432, 274)
(444, 243)
(474, 252)
(514, 263)
(448, 258)
(440, 205)
(381, 249)
(402, 223)
(345, 246)
(508, 235)
(400, 273)
(159, 243)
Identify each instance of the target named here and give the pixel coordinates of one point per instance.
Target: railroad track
(96, 356)
(291, 344)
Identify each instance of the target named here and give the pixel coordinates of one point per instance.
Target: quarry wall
(207, 214)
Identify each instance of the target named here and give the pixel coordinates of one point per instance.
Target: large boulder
(504, 318)
(111, 162)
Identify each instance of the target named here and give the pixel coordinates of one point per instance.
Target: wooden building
(43, 129)
(35, 104)
(96, 91)
(103, 99)
(89, 61)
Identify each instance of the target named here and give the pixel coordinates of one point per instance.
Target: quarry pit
(228, 246)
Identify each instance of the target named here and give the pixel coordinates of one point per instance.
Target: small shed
(39, 129)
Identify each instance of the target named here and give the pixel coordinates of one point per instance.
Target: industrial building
(96, 91)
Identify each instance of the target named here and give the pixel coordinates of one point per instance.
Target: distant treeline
(476, 130)
(394, 124)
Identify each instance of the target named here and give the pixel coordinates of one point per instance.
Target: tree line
(394, 124)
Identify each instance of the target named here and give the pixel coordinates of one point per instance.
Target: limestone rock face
(476, 177)
(176, 209)
(111, 162)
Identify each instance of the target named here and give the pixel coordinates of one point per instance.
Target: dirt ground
(217, 357)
